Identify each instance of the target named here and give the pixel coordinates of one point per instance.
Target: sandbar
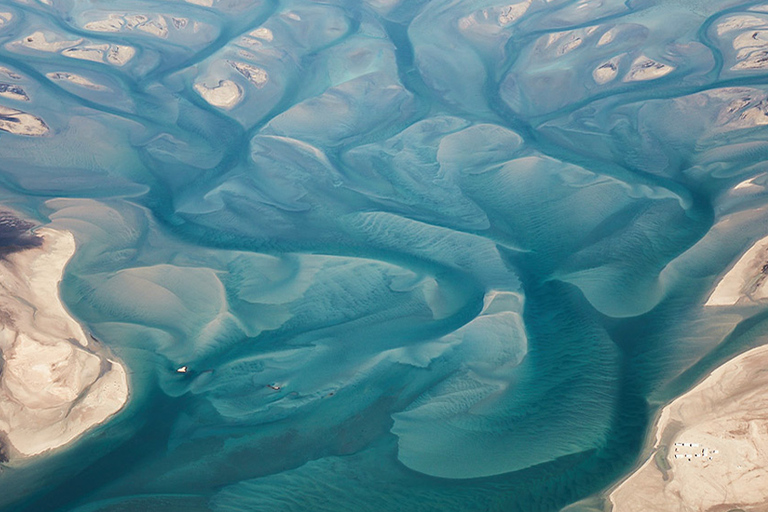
(55, 384)
(711, 446)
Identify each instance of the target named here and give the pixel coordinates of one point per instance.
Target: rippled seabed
(470, 242)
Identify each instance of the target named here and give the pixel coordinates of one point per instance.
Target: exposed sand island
(746, 281)
(711, 446)
(644, 68)
(225, 95)
(55, 383)
(75, 79)
(21, 123)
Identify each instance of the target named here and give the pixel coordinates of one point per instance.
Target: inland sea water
(446, 255)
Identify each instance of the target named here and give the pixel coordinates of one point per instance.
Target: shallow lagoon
(468, 242)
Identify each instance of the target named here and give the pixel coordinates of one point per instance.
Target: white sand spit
(55, 385)
(711, 443)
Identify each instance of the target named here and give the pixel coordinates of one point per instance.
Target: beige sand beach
(746, 281)
(711, 446)
(55, 383)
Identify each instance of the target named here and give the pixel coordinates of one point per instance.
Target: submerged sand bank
(54, 384)
(711, 446)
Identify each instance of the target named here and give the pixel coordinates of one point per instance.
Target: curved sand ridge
(54, 385)
(711, 446)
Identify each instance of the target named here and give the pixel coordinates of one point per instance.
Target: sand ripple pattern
(449, 249)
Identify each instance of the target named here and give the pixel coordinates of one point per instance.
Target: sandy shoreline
(711, 446)
(746, 281)
(55, 383)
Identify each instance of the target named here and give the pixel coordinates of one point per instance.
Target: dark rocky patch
(16, 234)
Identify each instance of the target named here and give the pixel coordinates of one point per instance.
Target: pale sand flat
(724, 418)
(93, 53)
(55, 385)
(13, 92)
(75, 79)
(607, 71)
(120, 54)
(155, 24)
(746, 280)
(113, 23)
(45, 42)
(253, 74)
(512, 13)
(607, 37)
(115, 54)
(644, 68)
(262, 33)
(746, 42)
(739, 22)
(225, 95)
(21, 123)
(10, 74)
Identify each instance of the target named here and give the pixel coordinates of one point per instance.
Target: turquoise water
(431, 255)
